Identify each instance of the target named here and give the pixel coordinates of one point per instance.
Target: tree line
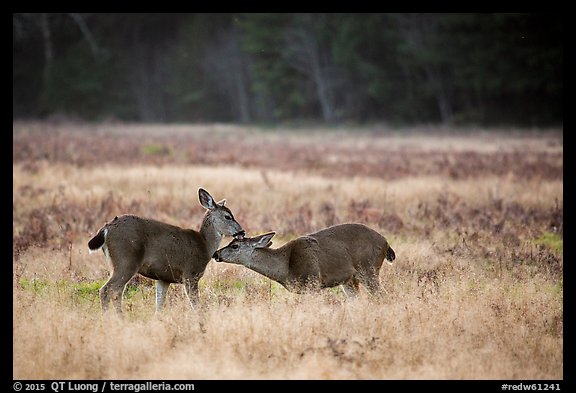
(481, 69)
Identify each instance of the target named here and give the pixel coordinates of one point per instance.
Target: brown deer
(163, 252)
(346, 254)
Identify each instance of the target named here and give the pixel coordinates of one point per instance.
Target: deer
(344, 254)
(163, 252)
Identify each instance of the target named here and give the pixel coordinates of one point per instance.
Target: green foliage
(225, 286)
(38, 286)
(551, 240)
(155, 149)
(79, 292)
(410, 68)
(86, 291)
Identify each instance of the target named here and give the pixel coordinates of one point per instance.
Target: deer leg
(373, 286)
(161, 291)
(191, 288)
(351, 287)
(113, 290)
(372, 283)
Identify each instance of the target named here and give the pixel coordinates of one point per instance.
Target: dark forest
(458, 69)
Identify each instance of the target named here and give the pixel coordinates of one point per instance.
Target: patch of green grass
(224, 286)
(88, 287)
(86, 290)
(38, 286)
(242, 287)
(551, 240)
(131, 290)
(558, 288)
(155, 149)
(90, 290)
(79, 291)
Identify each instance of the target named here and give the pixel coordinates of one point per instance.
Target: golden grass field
(475, 218)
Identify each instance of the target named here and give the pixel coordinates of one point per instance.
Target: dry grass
(476, 291)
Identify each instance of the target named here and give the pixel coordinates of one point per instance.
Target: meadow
(475, 217)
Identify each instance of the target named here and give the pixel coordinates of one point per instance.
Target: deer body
(160, 251)
(346, 254)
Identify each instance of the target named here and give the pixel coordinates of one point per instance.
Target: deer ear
(222, 202)
(206, 199)
(263, 241)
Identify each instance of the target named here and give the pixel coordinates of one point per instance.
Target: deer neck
(272, 263)
(211, 236)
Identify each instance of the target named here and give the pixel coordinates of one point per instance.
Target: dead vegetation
(476, 291)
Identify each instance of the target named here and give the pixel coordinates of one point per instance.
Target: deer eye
(234, 246)
(227, 217)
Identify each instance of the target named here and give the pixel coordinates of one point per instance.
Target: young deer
(339, 255)
(163, 252)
